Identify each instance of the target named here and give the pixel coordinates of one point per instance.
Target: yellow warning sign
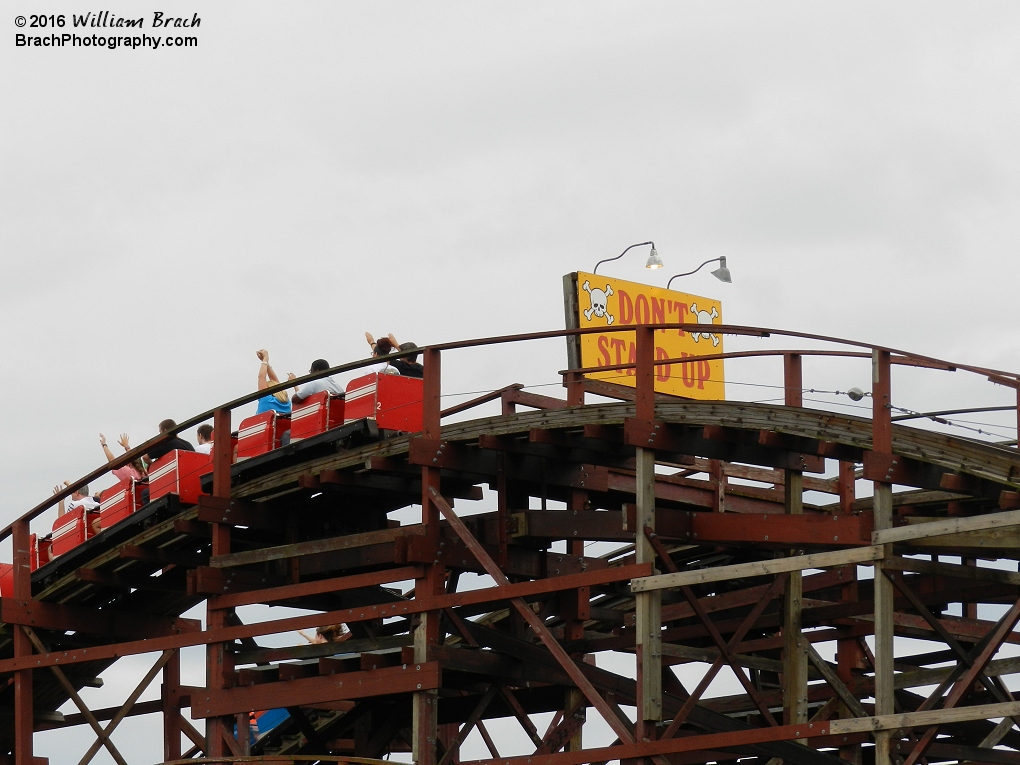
(603, 301)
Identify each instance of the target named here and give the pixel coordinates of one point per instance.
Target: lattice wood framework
(716, 574)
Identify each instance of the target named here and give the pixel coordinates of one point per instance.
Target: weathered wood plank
(1010, 518)
(331, 544)
(758, 568)
(924, 719)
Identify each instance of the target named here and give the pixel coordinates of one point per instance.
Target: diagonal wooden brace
(995, 686)
(772, 592)
(192, 733)
(70, 690)
(547, 638)
(727, 653)
(978, 659)
(130, 702)
(844, 693)
(559, 733)
(472, 720)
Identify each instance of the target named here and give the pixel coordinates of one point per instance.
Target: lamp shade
(722, 273)
(653, 259)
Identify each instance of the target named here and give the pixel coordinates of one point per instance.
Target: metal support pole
(881, 443)
(23, 714)
(794, 651)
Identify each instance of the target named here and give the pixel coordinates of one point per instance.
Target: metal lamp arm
(688, 273)
(607, 260)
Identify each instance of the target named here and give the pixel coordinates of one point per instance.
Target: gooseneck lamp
(652, 262)
(722, 273)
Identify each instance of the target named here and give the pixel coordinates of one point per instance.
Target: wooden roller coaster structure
(733, 571)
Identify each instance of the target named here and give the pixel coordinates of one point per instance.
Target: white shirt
(315, 386)
(88, 502)
(204, 448)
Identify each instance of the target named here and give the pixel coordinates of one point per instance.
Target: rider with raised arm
(278, 402)
(134, 469)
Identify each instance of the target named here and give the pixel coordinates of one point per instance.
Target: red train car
(179, 472)
(119, 501)
(6, 580)
(260, 434)
(316, 414)
(71, 529)
(393, 401)
(39, 551)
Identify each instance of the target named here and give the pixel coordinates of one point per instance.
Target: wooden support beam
(844, 693)
(170, 705)
(219, 661)
(1005, 520)
(319, 587)
(70, 690)
(235, 512)
(130, 581)
(425, 702)
(758, 568)
(162, 557)
(408, 678)
(795, 648)
(125, 708)
(728, 655)
(952, 570)
(881, 444)
(469, 724)
(648, 605)
(550, 642)
(925, 718)
(103, 621)
(314, 546)
(23, 702)
(975, 663)
(696, 743)
(288, 624)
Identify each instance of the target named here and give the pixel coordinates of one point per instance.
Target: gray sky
(314, 170)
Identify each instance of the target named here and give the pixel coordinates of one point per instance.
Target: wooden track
(551, 454)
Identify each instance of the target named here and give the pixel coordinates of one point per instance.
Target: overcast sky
(314, 170)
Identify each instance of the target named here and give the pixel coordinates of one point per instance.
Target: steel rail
(898, 360)
(971, 410)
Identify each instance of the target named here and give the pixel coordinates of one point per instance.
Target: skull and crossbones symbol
(599, 300)
(704, 317)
